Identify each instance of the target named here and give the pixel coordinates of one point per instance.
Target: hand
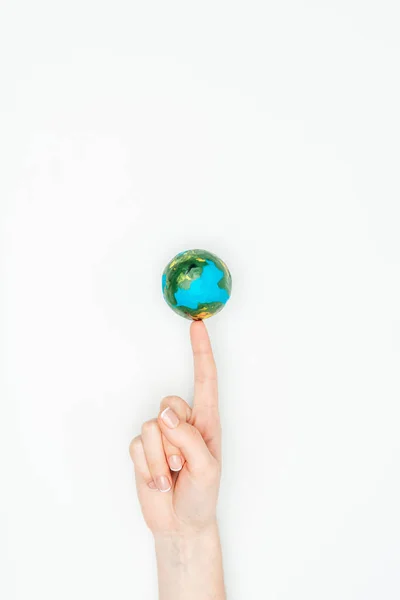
(177, 457)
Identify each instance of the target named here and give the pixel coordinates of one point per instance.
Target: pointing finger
(205, 370)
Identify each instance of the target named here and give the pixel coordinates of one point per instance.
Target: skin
(177, 461)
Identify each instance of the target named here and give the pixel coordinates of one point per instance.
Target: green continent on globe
(196, 284)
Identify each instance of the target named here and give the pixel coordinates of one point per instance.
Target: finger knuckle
(193, 433)
(171, 398)
(172, 401)
(178, 404)
(211, 472)
(207, 471)
(210, 378)
(149, 427)
(135, 446)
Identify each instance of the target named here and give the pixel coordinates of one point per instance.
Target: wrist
(185, 546)
(189, 564)
(187, 535)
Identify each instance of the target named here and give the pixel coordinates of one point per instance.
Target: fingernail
(175, 462)
(152, 485)
(170, 418)
(163, 483)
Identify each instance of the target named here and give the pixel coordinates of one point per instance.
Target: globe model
(196, 284)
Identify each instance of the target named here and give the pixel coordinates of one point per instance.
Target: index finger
(205, 370)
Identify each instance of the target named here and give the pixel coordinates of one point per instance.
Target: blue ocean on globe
(204, 289)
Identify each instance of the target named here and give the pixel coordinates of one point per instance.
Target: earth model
(196, 284)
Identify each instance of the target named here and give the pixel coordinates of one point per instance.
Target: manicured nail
(152, 485)
(170, 418)
(175, 462)
(163, 483)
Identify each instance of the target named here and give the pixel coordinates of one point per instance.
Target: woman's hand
(177, 462)
(177, 457)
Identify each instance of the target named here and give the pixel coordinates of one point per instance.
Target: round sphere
(196, 284)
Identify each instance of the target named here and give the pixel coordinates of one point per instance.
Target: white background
(268, 133)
